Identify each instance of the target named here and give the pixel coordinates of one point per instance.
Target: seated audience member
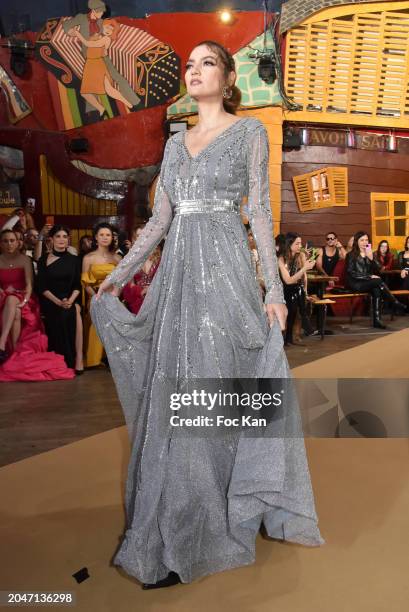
(59, 283)
(20, 219)
(330, 254)
(349, 244)
(293, 267)
(135, 291)
(403, 262)
(84, 246)
(33, 246)
(383, 256)
(363, 276)
(123, 244)
(23, 344)
(96, 266)
(20, 240)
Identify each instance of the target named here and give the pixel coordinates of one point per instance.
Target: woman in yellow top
(96, 266)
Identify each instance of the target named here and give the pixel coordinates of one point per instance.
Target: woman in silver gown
(194, 505)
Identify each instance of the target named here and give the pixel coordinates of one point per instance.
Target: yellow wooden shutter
(321, 189)
(352, 65)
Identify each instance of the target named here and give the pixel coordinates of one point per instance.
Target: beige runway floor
(63, 510)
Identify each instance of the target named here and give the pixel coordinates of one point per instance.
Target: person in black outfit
(59, 285)
(403, 262)
(363, 276)
(330, 254)
(293, 267)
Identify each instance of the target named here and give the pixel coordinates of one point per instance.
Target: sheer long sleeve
(259, 214)
(149, 238)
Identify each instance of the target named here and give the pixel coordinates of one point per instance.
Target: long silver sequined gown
(195, 505)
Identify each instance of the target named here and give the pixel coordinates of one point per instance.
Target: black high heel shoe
(171, 579)
(3, 356)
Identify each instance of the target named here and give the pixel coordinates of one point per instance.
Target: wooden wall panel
(368, 171)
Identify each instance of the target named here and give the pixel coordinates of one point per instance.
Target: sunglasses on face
(330, 238)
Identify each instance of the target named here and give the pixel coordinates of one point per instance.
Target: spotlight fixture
(226, 16)
(267, 69)
(20, 52)
(266, 65)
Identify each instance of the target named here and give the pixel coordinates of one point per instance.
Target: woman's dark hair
(355, 252)
(378, 250)
(290, 238)
(280, 243)
(99, 226)
(58, 228)
(406, 243)
(232, 103)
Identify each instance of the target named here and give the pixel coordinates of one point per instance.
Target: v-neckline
(194, 157)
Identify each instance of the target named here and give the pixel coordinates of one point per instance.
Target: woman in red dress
(134, 292)
(23, 344)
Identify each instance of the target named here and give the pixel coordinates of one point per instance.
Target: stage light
(267, 69)
(226, 16)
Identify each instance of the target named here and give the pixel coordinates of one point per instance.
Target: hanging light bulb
(305, 136)
(351, 141)
(391, 142)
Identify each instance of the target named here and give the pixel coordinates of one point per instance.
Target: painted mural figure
(96, 78)
(90, 29)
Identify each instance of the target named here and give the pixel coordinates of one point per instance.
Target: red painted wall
(136, 140)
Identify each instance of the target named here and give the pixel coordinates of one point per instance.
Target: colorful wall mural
(129, 139)
(104, 68)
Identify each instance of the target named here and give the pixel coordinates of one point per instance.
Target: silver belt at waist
(189, 207)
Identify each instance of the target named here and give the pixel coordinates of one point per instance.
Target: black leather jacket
(361, 268)
(403, 262)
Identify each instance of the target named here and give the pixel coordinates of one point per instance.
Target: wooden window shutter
(339, 178)
(323, 188)
(351, 65)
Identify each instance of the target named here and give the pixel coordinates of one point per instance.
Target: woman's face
(383, 247)
(60, 240)
(104, 237)
(296, 246)
(204, 75)
(363, 242)
(9, 244)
